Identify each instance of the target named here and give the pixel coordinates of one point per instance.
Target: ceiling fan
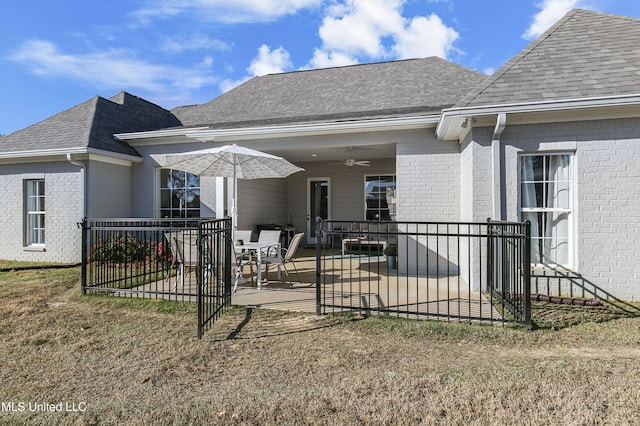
(350, 162)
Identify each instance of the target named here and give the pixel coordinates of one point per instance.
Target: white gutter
(207, 134)
(453, 117)
(501, 123)
(69, 151)
(83, 185)
(155, 133)
(266, 132)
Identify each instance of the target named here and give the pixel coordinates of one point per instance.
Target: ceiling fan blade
(365, 163)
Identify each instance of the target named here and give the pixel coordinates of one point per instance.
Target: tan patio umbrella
(230, 161)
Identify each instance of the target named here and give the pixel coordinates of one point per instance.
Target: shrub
(159, 252)
(118, 248)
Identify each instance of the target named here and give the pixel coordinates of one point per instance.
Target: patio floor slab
(433, 297)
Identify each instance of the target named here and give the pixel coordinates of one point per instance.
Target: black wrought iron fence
(185, 260)
(509, 267)
(139, 257)
(452, 271)
(215, 271)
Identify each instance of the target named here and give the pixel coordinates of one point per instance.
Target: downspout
(83, 192)
(501, 123)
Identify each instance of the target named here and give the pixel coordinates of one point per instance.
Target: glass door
(318, 204)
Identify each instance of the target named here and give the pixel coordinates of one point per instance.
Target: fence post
(490, 259)
(526, 275)
(199, 294)
(319, 237)
(85, 256)
(228, 246)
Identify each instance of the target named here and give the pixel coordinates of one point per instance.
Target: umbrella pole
(234, 206)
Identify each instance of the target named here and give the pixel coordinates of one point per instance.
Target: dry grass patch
(139, 362)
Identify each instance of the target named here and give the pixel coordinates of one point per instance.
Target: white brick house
(552, 137)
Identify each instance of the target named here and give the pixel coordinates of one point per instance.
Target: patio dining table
(257, 248)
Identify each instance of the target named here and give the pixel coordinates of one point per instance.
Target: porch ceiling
(335, 153)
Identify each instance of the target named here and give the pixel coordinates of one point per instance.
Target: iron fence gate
(183, 260)
(509, 267)
(215, 271)
(452, 271)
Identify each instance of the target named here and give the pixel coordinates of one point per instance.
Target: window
(34, 212)
(545, 200)
(179, 194)
(380, 197)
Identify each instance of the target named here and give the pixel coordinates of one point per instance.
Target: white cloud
(357, 27)
(160, 9)
(376, 29)
(324, 59)
(192, 43)
(207, 62)
(112, 69)
(550, 12)
(267, 61)
(423, 37)
(228, 84)
(270, 61)
(224, 10)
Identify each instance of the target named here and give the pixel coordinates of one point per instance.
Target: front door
(318, 204)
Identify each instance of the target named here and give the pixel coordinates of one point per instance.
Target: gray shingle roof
(91, 124)
(585, 54)
(398, 88)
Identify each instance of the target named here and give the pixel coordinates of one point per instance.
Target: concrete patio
(349, 284)
(364, 286)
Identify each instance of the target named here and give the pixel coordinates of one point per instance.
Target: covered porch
(347, 180)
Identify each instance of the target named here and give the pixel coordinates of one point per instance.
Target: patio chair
(241, 235)
(184, 250)
(269, 236)
(284, 257)
(173, 246)
(241, 258)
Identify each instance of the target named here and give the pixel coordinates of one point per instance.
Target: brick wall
(63, 207)
(428, 188)
(428, 180)
(476, 176)
(606, 199)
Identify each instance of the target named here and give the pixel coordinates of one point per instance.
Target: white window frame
(392, 207)
(34, 208)
(158, 196)
(570, 211)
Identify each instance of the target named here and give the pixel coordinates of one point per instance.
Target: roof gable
(585, 54)
(126, 113)
(67, 129)
(91, 124)
(398, 88)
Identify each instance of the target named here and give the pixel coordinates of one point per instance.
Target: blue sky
(57, 54)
